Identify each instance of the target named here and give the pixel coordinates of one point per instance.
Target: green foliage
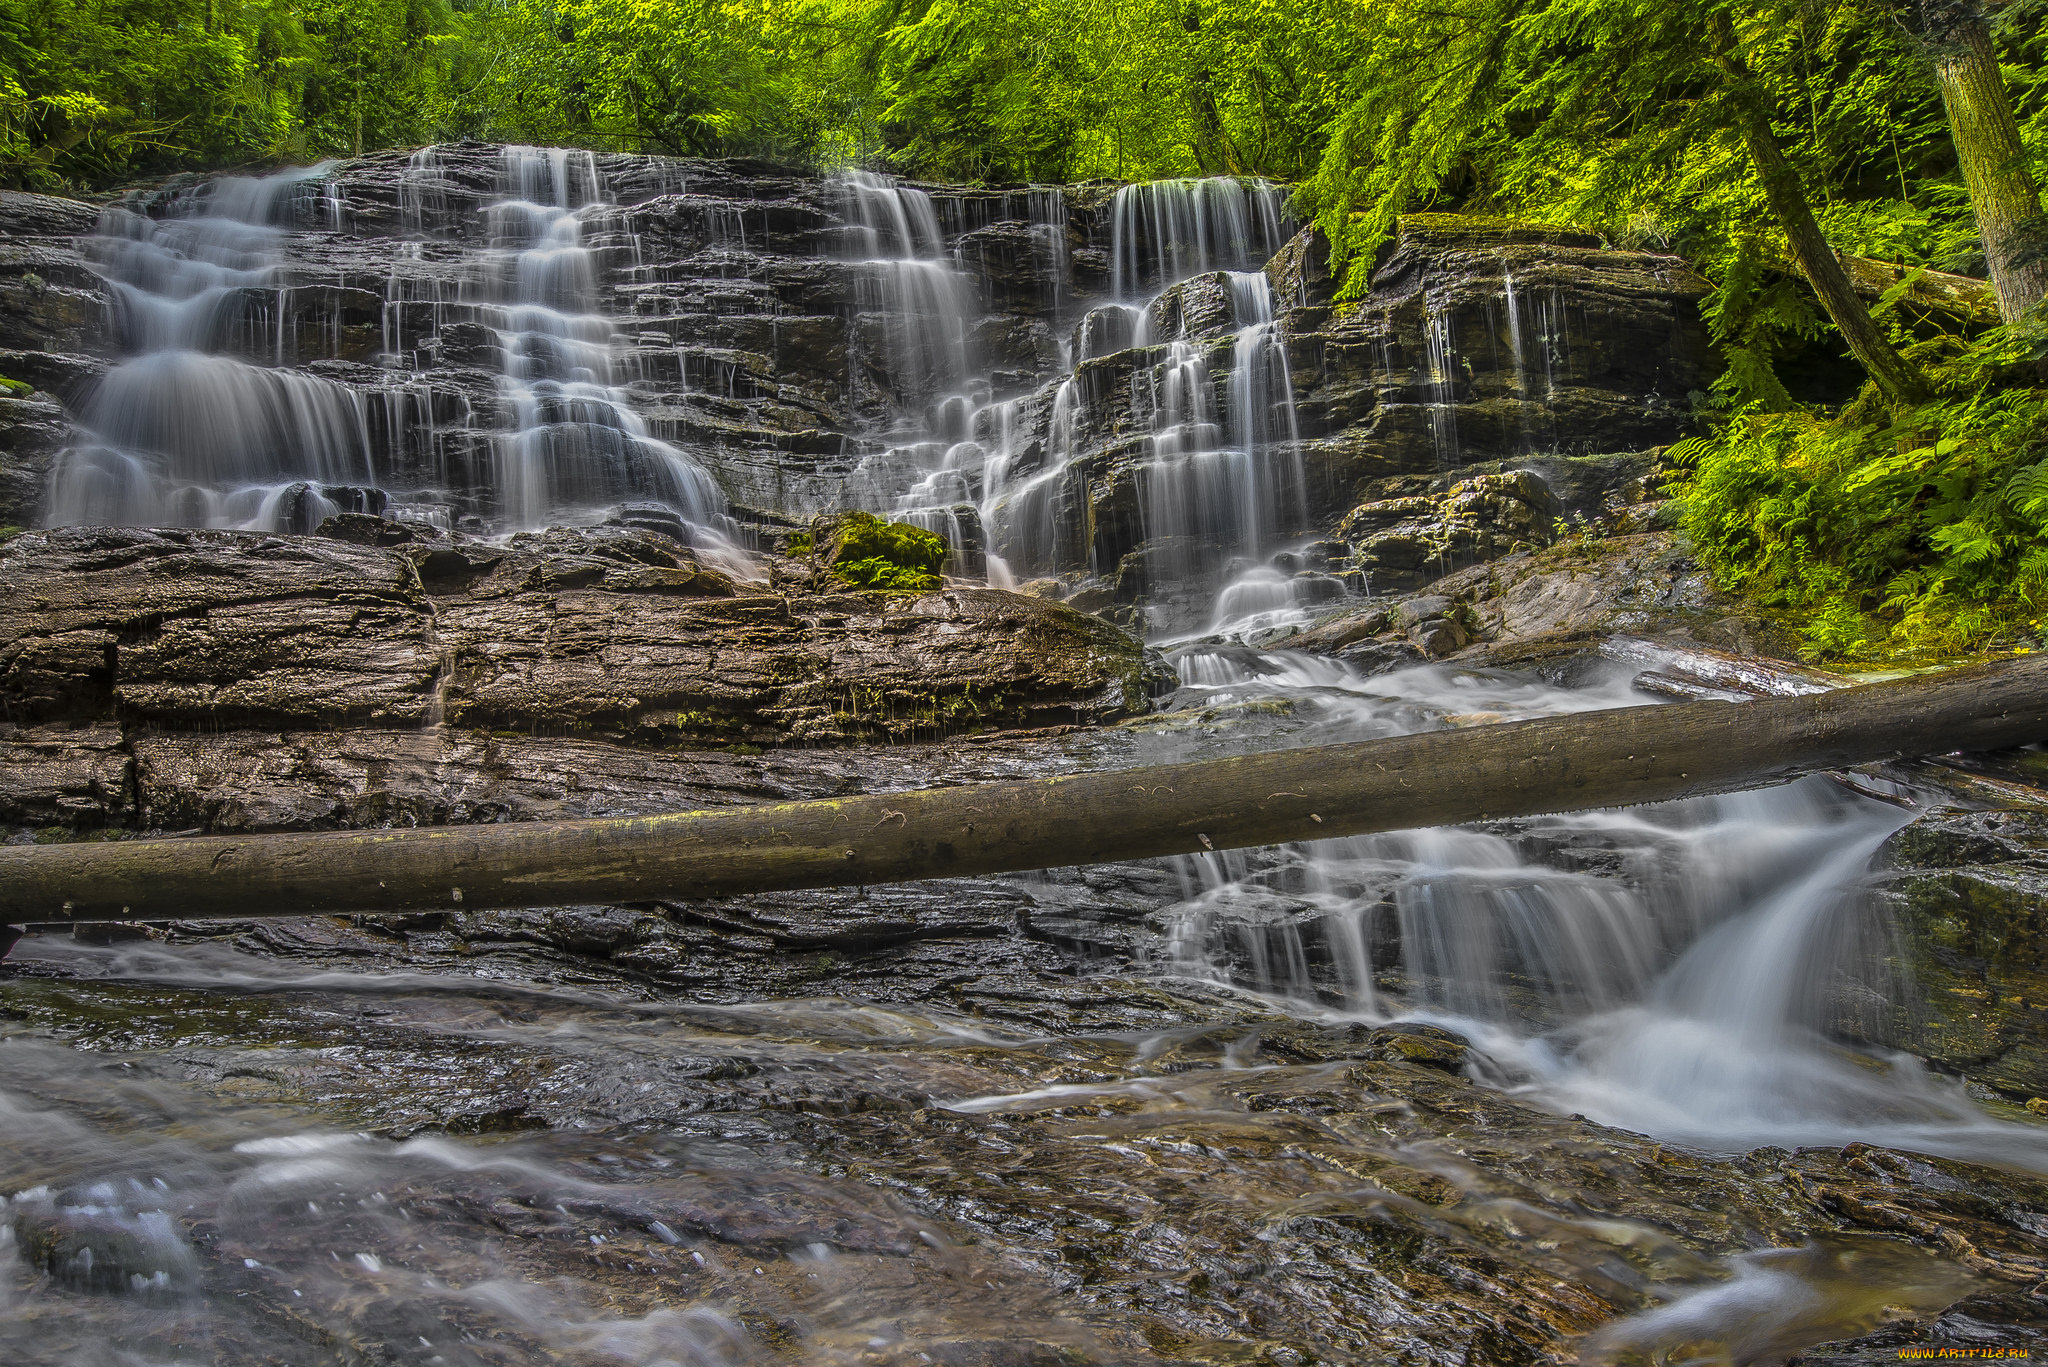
(868, 553)
(875, 572)
(1924, 534)
(99, 90)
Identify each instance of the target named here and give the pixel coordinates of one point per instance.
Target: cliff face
(1090, 388)
(1127, 395)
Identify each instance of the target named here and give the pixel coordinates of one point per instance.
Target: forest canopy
(1605, 113)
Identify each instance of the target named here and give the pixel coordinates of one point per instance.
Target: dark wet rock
(65, 776)
(1969, 894)
(1427, 1046)
(32, 215)
(1404, 542)
(112, 1237)
(1571, 597)
(1594, 350)
(368, 529)
(33, 430)
(1107, 1162)
(611, 631)
(1411, 1042)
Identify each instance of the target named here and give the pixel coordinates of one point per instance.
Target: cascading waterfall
(576, 443)
(215, 421)
(1168, 230)
(194, 429)
(1544, 335)
(908, 290)
(1684, 982)
(1223, 477)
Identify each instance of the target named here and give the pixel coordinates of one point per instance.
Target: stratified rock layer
(1482, 340)
(613, 633)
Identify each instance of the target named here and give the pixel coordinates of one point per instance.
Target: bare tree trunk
(1555, 764)
(2003, 192)
(1750, 104)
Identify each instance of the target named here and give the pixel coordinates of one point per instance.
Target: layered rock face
(1093, 382)
(1485, 340)
(116, 642)
(53, 311)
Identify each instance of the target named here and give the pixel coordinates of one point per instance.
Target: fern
(1872, 551)
(2027, 492)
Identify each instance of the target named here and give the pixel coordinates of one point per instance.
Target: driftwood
(1556, 764)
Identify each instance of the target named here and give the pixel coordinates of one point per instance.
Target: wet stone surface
(360, 1139)
(1512, 1094)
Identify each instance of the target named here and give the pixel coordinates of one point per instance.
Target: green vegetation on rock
(868, 553)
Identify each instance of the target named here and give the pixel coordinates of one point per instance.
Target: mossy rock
(1968, 893)
(867, 553)
(1483, 230)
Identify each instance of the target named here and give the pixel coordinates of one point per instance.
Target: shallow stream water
(1143, 1113)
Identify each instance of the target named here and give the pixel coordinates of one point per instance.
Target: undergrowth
(1886, 535)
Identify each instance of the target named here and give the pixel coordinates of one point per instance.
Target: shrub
(868, 553)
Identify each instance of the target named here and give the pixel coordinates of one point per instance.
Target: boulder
(1406, 541)
(1967, 893)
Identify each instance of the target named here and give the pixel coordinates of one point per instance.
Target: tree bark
(1750, 106)
(2003, 193)
(1951, 303)
(1556, 764)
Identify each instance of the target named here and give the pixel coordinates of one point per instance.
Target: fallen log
(1940, 298)
(1609, 758)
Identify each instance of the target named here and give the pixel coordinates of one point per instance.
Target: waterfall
(1441, 359)
(217, 419)
(483, 373)
(906, 288)
(1221, 486)
(1221, 474)
(1168, 230)
(1674, 970)
(192, 430)
(1021, 506)
(575, 444)
(1261, 413)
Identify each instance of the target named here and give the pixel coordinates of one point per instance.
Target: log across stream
(1591, 760)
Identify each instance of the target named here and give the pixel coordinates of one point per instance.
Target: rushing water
(1222, 477)
(215, 418)
(443, 1156)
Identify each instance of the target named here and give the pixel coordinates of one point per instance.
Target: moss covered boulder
(864, 552)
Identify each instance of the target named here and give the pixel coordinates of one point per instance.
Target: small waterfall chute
(1165, 231)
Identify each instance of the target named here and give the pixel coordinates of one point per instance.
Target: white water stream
(1682, 981)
